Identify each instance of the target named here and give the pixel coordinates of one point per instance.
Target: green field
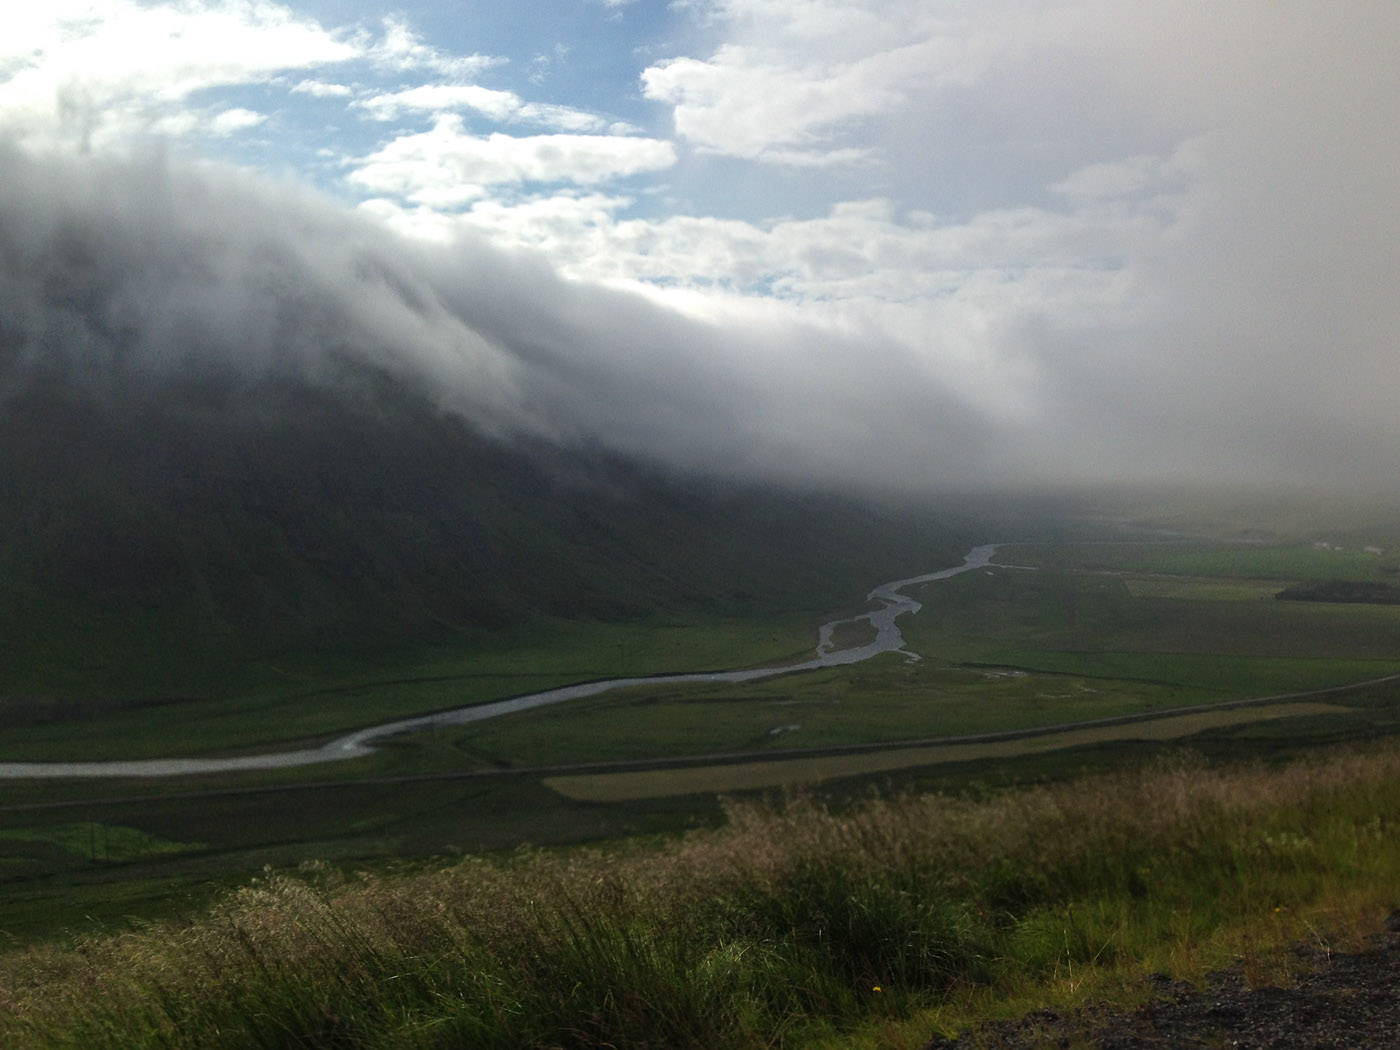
(871, 923)
(296, 700)
(1092, 631)
(1296, 561)
(752, 776)
(1001, 650)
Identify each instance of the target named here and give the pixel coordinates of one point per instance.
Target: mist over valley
(715, 524)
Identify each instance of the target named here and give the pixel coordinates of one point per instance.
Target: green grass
(973, 616)
(243, 827)
(776, 930)
(1239, 561)
(885, 700)
(733, 777)
(92, 840)
(308, 698)
(1002, 651)
(1131, 641)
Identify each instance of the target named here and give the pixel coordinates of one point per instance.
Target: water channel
(889, 599)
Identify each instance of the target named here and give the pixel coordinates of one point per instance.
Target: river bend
(890, 600)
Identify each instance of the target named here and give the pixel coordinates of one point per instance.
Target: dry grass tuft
(776, 930)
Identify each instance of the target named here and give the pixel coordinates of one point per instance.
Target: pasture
(1083, 632)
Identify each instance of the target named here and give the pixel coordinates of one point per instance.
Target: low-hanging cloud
(1179, 262)
(152, 268)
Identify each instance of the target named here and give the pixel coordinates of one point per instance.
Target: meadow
(877, 923)
(279, 703)
(1001, 650)
(1167, 636)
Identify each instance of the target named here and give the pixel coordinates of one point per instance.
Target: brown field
(749, 776)
(1207, 589)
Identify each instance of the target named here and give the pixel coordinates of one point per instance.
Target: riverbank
(891, 604)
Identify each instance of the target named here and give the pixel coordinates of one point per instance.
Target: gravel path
(1347, 1002)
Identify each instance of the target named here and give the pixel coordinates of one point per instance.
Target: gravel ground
(1347, 1002)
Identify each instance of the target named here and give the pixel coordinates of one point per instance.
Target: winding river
(892, 603)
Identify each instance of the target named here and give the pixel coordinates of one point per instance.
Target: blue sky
(1061, 239)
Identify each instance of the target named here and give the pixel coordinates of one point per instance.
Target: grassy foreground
(794, 925)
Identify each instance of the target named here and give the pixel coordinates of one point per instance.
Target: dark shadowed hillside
(250, 517)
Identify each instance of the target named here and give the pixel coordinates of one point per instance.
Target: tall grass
(793, 921)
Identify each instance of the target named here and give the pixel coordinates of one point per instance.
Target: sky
(897, 244)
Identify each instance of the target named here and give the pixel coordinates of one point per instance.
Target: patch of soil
(1346, 1002)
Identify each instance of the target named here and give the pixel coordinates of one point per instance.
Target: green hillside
(162, 534)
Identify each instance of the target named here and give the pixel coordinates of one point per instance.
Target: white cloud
(94, 75)
(1185, 266)
(862, 255)
(402, 48)
(504, 107)
(232, 121)
(792, 77)
(1127, 178)
(448, 165)
(742, 104)
(322, 89)
(1114, 237)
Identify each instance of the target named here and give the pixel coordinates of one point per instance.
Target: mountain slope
(231, 517)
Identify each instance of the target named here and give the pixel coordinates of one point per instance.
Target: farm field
(1000, 650)
(1074, 633)
(750, 776)
(305, 697)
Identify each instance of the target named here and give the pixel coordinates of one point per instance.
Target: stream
(891, 604)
